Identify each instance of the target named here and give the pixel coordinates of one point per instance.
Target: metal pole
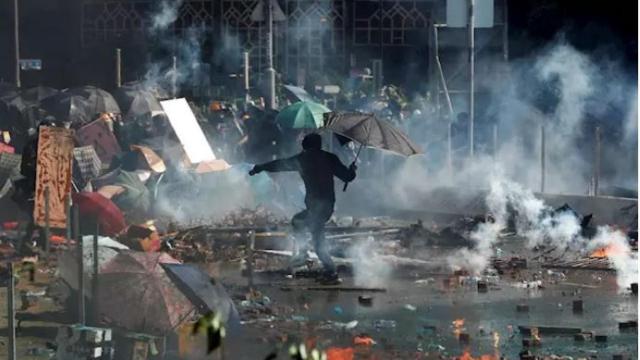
(596, 170)
(11, 314)
(542, 159)
(449, 148)
(495, 141)
(470, 28)
(16, 41)
(67, 211)
(96, 267)
(80, 255)
(174, 78)
(246, 77)
(250, 247)
(47, 228)
(505, 30)
(272, 102)
(118, 68)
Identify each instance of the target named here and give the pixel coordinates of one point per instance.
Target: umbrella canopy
(97, 206)
(8, 90)
(370, 131)
(302, 115)
(68, 262)
(139, 296)
(36, 94)
(136, 199)
(204, 292)
(136, 102)
(98, 100)
(67, 107)
(298, 93)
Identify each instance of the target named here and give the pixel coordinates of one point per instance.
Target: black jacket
(317, 169)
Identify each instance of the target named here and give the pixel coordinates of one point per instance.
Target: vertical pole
(174, 78)
(80, 255)
(470, 28)
(271, 72)
(96, 268)
(11, 314)
(495, 141)
(251, 243)
(542, 159)
(449, 148)
(505, 30)
(67, 211)
(596, 170)
(246, 77)
(118, 68)
(47, 212)
(16, 41)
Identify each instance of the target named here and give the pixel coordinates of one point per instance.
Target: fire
(608, 251)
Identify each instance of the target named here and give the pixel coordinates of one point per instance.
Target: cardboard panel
(53, 171)
(188, 130)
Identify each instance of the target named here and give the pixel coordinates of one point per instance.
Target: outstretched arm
(343, 173)
(288, 164)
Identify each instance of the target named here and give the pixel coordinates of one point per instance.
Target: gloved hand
(353, 166)
(256, 169)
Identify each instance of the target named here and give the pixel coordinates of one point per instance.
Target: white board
(458, 13)
(188, 130)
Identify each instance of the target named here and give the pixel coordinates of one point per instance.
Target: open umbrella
(36, 94)
(370, 131)
(95, 205)
(302, 115)
(298, 93)
(138, 294)
(98, 100)
(136, 102)
(67, 107)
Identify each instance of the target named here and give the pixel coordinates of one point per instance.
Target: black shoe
(329, 279)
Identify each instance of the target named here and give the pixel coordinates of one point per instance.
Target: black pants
(313, 218)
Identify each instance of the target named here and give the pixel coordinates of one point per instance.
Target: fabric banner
(98, 135)
(53, 171)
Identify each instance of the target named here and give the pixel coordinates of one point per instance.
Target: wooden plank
(53, 171)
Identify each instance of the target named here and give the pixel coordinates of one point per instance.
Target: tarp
(53, 171)
(98, 135)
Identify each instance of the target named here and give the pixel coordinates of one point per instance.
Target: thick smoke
(369, 269)
(540, 225)
(166, 15)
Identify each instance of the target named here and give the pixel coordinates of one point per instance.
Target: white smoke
(369, 269)
(539, 224)
(166, 15)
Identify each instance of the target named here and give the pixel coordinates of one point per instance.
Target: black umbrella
(8, 90)
(66, 107)
(36, 94)
(98, 100)
(13, 114)
(370, 131)
(137, 102)
(298, 93)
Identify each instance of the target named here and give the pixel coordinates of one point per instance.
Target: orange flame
(466, 355)
(609, 251)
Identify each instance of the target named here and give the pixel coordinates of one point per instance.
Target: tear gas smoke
(369, 269)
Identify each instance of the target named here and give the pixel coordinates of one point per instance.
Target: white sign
(188, 130)
(458, 13)
(30, 64)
